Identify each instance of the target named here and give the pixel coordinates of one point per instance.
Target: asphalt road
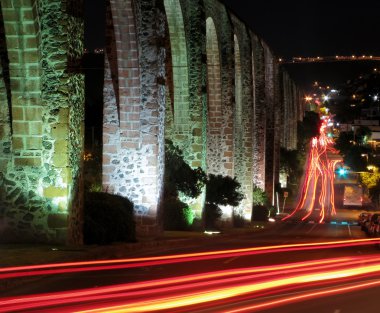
(281, 233)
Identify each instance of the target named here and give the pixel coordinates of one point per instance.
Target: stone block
(18, 143)
(60, 146)
(33, 143)
(55, 192)
(60, 131)
(67, 176)
(33, 113)
(35, 128)
(60, 160)
(63, 115)
(20, 128)
(17, 113)
(27, 161)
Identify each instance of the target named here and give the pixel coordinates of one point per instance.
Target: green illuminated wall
(40, 174)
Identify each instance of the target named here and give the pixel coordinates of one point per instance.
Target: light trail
(73, 267)
(306, 296)
(318, 187)
(196, 289)
(235, 290)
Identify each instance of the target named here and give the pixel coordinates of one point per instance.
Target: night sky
(295, 28)
(316, 28)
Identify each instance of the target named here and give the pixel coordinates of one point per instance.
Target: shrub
(212, 213)
(259, 197)
(177, 215)
(260, 213)
(108, 218)
(238, 221)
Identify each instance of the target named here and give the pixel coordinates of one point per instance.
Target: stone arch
(214, 93)
(179, 64)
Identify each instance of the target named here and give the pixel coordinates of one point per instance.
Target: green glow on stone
(189, 216)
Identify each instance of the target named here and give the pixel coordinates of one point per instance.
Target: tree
(179, 177)
(220, 190)
(352, 152)
(344, 142)
(308, 128)
(371, 180)
(259, 197)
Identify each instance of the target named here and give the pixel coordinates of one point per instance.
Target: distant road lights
(375, 97)
(326, 98)
(308, 98)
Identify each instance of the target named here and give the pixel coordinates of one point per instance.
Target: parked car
(362, 217)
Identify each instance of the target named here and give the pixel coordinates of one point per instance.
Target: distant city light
(326, 98)
(375, 97)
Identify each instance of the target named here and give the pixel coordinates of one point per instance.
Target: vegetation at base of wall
(238, 221)
(259, 197)
(107, 219)
(177, 215)
(179, 177)
(212, 213)
(220, 190)
(260, 213)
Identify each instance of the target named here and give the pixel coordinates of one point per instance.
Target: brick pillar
(259, 115)
(42, 181)
(133, 133)
(270, 120)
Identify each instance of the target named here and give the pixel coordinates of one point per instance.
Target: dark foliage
(179, 176)
(108, 218)
(308, 128)
(260, 213)
(220, 190)
(354, 159)
(223, 190)
(212, 214)
(174, 212)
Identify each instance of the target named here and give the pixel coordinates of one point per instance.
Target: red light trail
(317, 193)
(75, 267)
(206, 288)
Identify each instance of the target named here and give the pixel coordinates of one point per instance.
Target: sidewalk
(30, 254)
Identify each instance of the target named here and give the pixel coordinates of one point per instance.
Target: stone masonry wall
(259, 113)
(42, 179)
(191, 70)
(243, 130)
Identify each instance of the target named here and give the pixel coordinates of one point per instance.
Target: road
(274, 270)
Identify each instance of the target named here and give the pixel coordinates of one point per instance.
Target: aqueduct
(187, 71)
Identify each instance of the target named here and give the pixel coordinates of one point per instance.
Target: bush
(177, 215)
(260, 213)
(212, 213)
(238, 221)
(259, 197)
(108, 218)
